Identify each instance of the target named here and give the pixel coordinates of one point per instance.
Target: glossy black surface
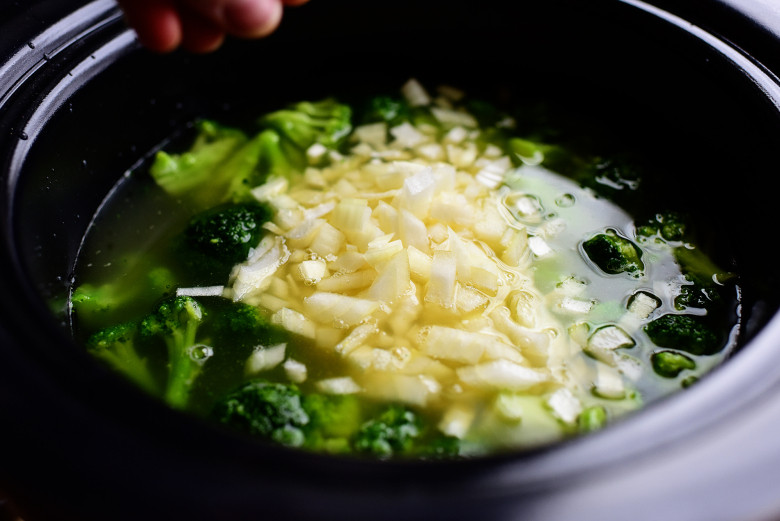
(83, 103)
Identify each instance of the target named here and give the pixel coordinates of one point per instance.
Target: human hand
(201, 25)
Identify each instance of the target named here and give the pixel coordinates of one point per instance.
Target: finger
(199, 34)
(241, 18)
(155, 22)
(252, 18)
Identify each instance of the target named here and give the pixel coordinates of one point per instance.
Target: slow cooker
(81, 103)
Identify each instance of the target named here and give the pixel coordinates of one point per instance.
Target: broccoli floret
(161, 281)
(616, 179)
(279, 157)
(272, 411)
(698, 267)
(592, 419)
(392, 433)
(390, 109)
(687, 333)
(188, 173)
(116, 345)
(176, 321)
(669, 226)
(97, 305)
(526, 151)
(223, 165)
(234, 178)
(610, 176)
(241, 318)
(335, 419)
(92, 303)
(305, 123)
(216, 240)
(487, 114)
(704, 279)
(244, 325)
(708, 283)
(695, 295)
(227, 233)
(440, 447)
(614, 254)
(669, 364)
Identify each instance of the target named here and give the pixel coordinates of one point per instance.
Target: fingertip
(200, 34)
(204, 42)
(252, 18)
(157, 26)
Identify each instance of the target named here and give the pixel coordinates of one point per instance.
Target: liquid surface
(497, 339)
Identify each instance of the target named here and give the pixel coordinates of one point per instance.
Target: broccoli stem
(183, 368)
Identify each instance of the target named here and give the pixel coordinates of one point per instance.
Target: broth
(598, 360)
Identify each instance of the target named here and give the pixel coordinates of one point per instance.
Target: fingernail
(252, 18)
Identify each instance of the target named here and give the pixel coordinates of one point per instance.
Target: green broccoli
(440, 447)
(592, 419)
(188, 173)
(704, 279)
(176, 321)
(389, 109)
(708, 283)
(279, 157)
(699, 267)
(234, 178)
(272, 411)
(116, 345)
(669, 364)
(243, 325)
(392, 433)
(669, 226)
(688, 333)
(96, 306)
(616, 179)
(217, 239)
(528, 152)
(696, 295)
(609, 177)
(305, 123)
(488, 114)
(614, 254)
(335, 419)
(92, 304)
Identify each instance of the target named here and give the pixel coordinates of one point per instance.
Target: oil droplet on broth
(565, 200)
(201, 352)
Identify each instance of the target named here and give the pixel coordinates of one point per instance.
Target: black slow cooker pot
(692, 86)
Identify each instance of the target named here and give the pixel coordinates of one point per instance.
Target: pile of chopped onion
(402, 259)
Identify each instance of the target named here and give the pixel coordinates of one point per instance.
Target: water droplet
(23, 136)
(200, 352)
(46, 56)
(31, 45)
(566, 200)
